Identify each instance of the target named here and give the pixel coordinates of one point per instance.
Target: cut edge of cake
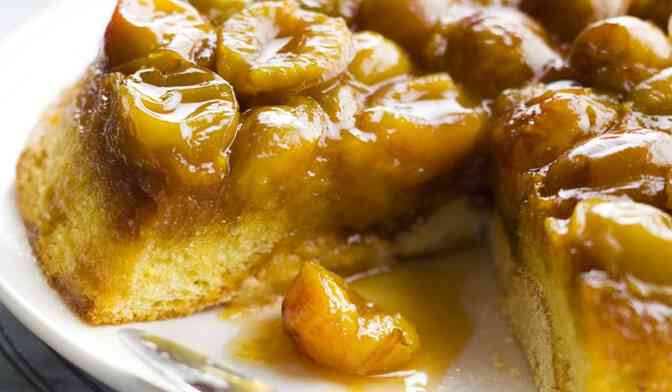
(533, 312)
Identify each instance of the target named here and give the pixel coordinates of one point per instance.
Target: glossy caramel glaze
(336, 327)
(628, 339)
(139, 27)
(421, 291)
(569, 18)
(619, 53)
(345, 119)
(315, 105)
(505, 44)
(326, 104)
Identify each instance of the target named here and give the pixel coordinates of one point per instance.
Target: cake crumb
(515, 372)
(498, 362)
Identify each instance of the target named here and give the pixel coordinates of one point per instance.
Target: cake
(215, 146)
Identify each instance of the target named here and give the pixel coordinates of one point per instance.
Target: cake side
(526, 303)
(108, 262)
(582, 329)
(61, 200)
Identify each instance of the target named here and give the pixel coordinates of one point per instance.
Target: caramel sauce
(427, 293)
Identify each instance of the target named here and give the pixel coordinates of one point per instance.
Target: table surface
(27, 364)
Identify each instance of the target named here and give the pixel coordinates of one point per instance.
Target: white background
(15, 12)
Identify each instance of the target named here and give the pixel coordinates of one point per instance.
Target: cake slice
(155, 188)
(583, 236)
(582, 326)
(117, 255)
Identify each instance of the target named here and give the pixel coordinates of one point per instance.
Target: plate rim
(28, 314)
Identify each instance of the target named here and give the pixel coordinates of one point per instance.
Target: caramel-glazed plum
(377, 61)
(547, 121)
(277, 152)
(336, 327)
(619, 53)
(654, 95)
(176, 118)
(409, 22)
(141, 26)
(494, 49)
(346, 9)
(658, 11)
(620, 237)
(414, 129)
(276, 47)
(219, 11)
(636, 164)
(568, 17)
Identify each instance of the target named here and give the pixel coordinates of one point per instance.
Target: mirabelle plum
(654, 95)
(337, 328)
(341, 101)
(409, 22)
(619, 53)
(346, 9)
(277, 152)
(568, 17)
(494, 49)
(218, 11)
(635, 164)
(377, 59)
(274, 47)
(548, 121)
(177, 118)
(141, 26)
(415, 129)
(621, 238)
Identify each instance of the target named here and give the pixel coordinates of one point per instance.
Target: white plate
(45, 56)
